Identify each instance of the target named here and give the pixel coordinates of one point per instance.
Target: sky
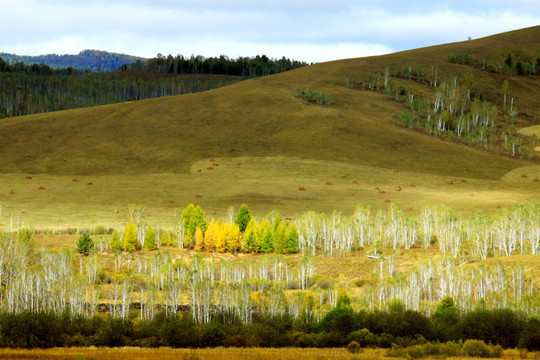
(311, 31)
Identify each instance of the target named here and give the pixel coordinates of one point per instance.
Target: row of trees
(479, 236)
(245, 234)
(260, 65)
(55, 281)
(30, 93)
(453, 113)
(447, 332)
(509, 66)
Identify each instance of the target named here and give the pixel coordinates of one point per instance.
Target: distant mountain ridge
(94, 60)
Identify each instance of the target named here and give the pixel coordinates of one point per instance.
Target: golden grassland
(265, 184)
(148, 152)
(92, 353)
(345, 269)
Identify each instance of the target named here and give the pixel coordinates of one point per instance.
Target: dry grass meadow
(212, 354)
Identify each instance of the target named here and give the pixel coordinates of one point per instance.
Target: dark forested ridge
(37, 88)
(94, 60)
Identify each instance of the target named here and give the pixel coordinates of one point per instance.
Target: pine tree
(85, 244)
(292, 239)
(193, 217)
(267, 236)
(508, 61)
(280, 239)
(150, 239)
(251, 237)
(129, 240)
(243, 217)
(116, 245)
(276, 221)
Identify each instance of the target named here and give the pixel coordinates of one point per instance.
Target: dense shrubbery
(340, 328)
(314, 97)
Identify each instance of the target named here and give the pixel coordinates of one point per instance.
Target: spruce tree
(116, 245)
(85, 244)
(292, 239)
(242, 218)
(280, 239)
(150, 239)
(251, 237)
(267, 237)
(130, 240)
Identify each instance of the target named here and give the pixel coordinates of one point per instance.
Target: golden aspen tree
(209, 236)
(130, 240)
(233, 238)
(199, 240)
(220, 237)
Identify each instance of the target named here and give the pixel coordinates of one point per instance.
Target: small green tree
(292, 239)
(130, 240)
(508, 62)
(251, 237)
(267, 237)
(85, 244)
(116, 245)
(280, 239)
(193, 217)
(243, 217)
(150, 239)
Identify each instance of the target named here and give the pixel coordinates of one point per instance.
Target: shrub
(353, 347)
(450, 348)
(364, 337)
(415, 352)
(477, 348)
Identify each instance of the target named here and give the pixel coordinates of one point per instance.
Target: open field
(265, 184)
(148, 152)
(211, 354)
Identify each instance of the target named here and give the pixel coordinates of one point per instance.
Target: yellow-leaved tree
(199, 239)
(220, 237)
(130, 240)
(233, 238)
(209, 236)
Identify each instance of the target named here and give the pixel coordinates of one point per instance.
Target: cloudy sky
(312, 31)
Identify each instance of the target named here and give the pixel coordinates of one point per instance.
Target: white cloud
(312, 30)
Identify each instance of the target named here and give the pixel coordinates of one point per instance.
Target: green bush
(477, 348)
(353, 347)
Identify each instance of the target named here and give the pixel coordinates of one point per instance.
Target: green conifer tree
(280, 239)
(251, 237)
(243, 217)
(267, 237)
(116, 245)
(85, 244)
(292, 239)
(130, 240)
(150, 239)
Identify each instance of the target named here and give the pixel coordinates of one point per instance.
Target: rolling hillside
(261, 118)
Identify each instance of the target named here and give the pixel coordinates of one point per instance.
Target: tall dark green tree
(242, 218)
(508, 62)
(85, 244)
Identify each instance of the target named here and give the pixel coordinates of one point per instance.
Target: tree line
(37, 88)
(512, 65)
(260, 65)
(454, 112)
(406, 333)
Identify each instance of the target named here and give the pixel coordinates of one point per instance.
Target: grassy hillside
(122, 144)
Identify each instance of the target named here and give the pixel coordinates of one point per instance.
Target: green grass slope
(262, 118)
